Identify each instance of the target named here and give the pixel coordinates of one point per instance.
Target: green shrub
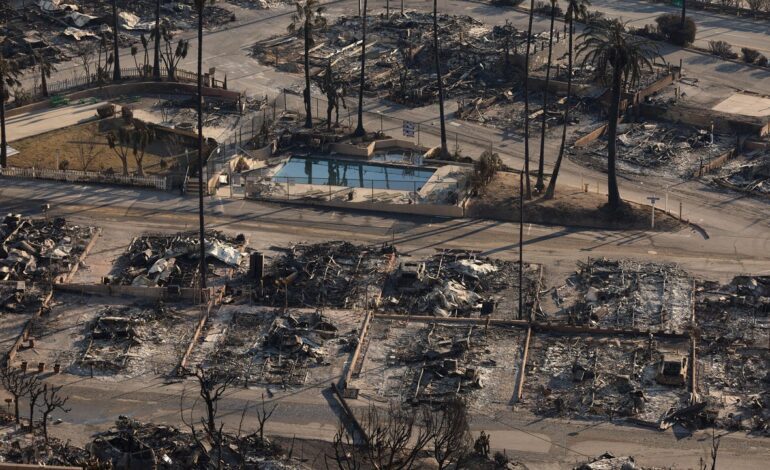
(670, 27)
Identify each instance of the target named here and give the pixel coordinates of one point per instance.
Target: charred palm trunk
(360, 131)
(200, 148)
(528, 189)
(444, 151)
(3, 140)
(115, 49)
(156, 58)
(43, 80)
(549, 193)
(540, 184)
(612, 134)
(306, 93)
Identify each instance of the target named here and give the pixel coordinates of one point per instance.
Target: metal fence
(75, 176)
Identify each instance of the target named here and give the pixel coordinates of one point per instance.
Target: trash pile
(459, 283)
(626, 294)
(659, 148)
(586, 376)
(734, 325)
(38, 250)
(331, 274)
(749, 174)
(278, 349)
(154, 260)
(29, 449)
(400, 54)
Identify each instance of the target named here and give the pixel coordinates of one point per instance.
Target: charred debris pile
(748, 174)
(334, 274)
(585, 376)
(278, 348)
(626, 295)
(154, 260)
(400, 55)
(460, 283)
(115, 336)
(38, 250)
(659, 148)
(733, 347)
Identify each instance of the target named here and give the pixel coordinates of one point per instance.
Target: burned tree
(347, 455)
(115, 40)
(84, 53)
(212, 386)
(171, 55)
(18, 385)
(333, 87)
(449, 431)
(305, 21)
(439, 83)
(120, 142)
(52, 401)
(46, 68)
(540, 184)
(395, 437)
(263, 415)
(36, 390)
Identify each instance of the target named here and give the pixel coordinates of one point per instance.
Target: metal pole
(680, 211)
(652, 219)
(418, 133)
(380, 123)
(521, 244)
(284, 99)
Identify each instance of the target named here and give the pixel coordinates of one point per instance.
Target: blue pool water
(305, 170)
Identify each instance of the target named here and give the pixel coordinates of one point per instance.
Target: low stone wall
(434, 210)
(132, 88)
(591, 136)
(149, 293)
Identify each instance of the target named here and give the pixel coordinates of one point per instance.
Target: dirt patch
(570, 207)
(84, 147)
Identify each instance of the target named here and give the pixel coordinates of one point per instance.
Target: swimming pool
(326, 171)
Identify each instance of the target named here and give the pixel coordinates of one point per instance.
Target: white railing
(157, 182)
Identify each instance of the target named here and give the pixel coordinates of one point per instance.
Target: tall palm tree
(115, 38)
(528, 191)
(576, 10)
(308, 18)
(156, 35)
(360, 131)
(608, 47)
(437, 54)
(9, 77)
(539, 184)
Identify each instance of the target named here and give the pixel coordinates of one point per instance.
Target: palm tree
(437, 54)
(539, 184)
(9, 77)
(608, 47)
(307, 18)
(360, 131)
(115, 51)
(528, 192)
(576, 9)
(156, 34)
(46, 68)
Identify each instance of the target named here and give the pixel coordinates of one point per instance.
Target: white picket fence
(74, 176)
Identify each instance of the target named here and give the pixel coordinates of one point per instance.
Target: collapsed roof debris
(659, 149)
(400, 62)
(38, 250)
(585, 376)
(748, 174)
(173, 260)
(118, 335)
(627, 295)
(268, 347)
(432, 362)
(332, 274)
(734, 359)
(459, 283)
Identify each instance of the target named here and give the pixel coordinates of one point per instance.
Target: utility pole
(521, 244)
(200, 148)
